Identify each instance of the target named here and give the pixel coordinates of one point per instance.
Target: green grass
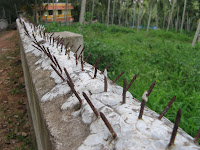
(167, 58)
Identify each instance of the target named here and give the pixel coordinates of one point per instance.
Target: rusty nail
(176, 125)
(144, 100)
(91, 105)
(105, 68)
(151, 88)
(97, 61)
(66, 46)
(57, 72)
(81, 52)
(118, 77)
(68, 76)
(87, 58)
(105, 81)
(57, 64)
(108, 125)
(95, 72)
(53, 41)
(77, 50)
(197, 137)
(167, 107)
(129, 85)
(124, 92)
(74, 91)
(82, 63)
(36, 47)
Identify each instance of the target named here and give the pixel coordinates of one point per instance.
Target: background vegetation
(165, 57)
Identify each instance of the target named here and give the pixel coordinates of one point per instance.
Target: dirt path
(14, 125)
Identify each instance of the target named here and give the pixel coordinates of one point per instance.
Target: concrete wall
(61, 122)
(3, 24)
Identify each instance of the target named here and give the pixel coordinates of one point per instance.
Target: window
(50, 12)
(59, 12)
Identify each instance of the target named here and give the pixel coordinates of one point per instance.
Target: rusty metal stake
(105, 81)
(129, 85)
(167, 107)
(151, 88)
(176, 125)
(118, 77)
(108, 125)
(105, 68)
(91, 105)
(124, 92)
(87, 58)
(57, 72)
(81, 52)
(68, 76)
(95, 72)
(77, 50)
(197, 137)
(82, 63)
(74, 91)
(57, 64)
(97, 61)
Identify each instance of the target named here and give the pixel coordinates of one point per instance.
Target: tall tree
(177, 19)
(170, 16)
(120, 11)
(83, 4)
(138, 25)
(196, 34)
(150, 13)
(108, 13)
(92, 10)
(183, 17)
(134, 15)
(113, 15)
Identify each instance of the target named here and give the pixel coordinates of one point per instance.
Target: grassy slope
(166, 58)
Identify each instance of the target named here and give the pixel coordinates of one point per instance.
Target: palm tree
(120, 11)
(150, 13)
(108, 13)
(183, 18)
(134, 15)
(83, 4)
(113, 15)
(170, 16)
(92, 10)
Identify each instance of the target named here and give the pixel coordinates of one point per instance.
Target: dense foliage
(165, 57)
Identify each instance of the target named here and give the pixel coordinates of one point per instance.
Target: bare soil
(14, 122)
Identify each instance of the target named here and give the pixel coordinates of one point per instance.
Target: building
(60, 11)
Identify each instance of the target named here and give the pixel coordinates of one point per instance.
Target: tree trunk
(149, 21)
(170, 16)
(134, 13)
(36, 14)
(196, 35)
(108, 13)
(126, 21)
(164, 21)
(102, 21)
(53, 12)
(47, 11)
(113, 12)
(83, 4)
(141, 13)
(157, 15)
(177, 19)
(92, 10)
(120, 12)
(66, 12)
(138, 25)
(183, 17)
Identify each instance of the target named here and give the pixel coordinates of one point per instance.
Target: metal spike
(57, 72)
(118, 77)
(129, 85)
(124, 92)
(167, 107)
(87, 58)
(105, 68)
(97, 61)
(91, 105)
(176, 125)
(108, 125)
(105, 81)
(197, 137)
